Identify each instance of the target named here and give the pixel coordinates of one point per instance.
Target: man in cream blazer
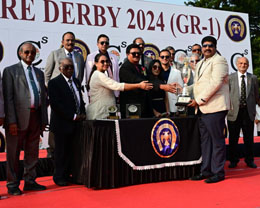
(212, 102)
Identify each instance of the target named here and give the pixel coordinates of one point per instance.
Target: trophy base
(133, 117)
(113, 117)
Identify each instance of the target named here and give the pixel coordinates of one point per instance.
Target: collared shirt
(75, 90)
(29, 83)
(74, 61)
(240, 80)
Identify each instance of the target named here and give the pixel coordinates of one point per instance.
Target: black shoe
(232, 165)
(14, 191)
(61, 183)
(214, 179)
(251, 165)
(198, 177)
(33, 187)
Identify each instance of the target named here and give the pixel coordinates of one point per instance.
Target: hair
(195, 55)
(66, 58)
(138, 38)
(196, 44)
(102, 36)
(25, 43)
(169, 48)
(149, 71)
(94, 68)
(165, 50)
(71, 33)
(209, 39)
(129, 47)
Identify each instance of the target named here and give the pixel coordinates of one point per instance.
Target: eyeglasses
(194, 61)
(67, 66)
(164, 57)
(155, 67)
(194, 50)
(105, 61)
(104, 43)
(135, 54)
(29, 52)
(208, 45)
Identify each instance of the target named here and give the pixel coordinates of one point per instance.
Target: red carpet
(240, 189)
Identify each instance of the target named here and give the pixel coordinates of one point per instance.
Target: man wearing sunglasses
(212, 102)
(25, 118)
(196, 49)
(113, 70)
(132, 72)
(194, 59)
(171, 76)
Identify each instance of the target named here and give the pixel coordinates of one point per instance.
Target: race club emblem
(235, 28)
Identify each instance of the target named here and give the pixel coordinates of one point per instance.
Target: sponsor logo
(165, 138)
(82, 48)
(235, 28)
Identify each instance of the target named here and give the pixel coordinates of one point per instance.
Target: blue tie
(34, 88)
(70, 56)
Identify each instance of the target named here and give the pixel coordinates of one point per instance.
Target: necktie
(243, 91)
(70, 56)
(74, 96)
(34, 87)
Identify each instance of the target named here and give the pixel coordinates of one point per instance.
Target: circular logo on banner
(151, 51)
(165, 138)
(1, 51)
(235, 28)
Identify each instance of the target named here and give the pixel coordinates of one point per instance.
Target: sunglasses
(105, 61)
(194, 50)
(69, 66)
(29, 52)
(164, 57)
(155, 67)
(194, 61)
(208, 45)
(104, 43)
(135, 54)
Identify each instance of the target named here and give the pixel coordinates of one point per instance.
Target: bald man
(243, 88)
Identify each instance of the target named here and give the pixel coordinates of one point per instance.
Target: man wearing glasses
(212, 102)
(170, 75)
(113, 70)
(196, 49)
(132, 72)
(194, 59)
(25, 118)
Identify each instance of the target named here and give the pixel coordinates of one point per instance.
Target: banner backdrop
(43, 22)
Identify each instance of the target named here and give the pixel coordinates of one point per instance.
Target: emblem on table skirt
(165, 138)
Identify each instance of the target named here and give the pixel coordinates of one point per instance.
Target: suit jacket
(210, 88)
(252, 96)
(52, 64)
(129, 74)
(17, 96)
(174, 76)
(2, 113)
(63, 107)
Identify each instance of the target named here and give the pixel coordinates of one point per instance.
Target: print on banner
(1, 51)
(235, 28)
(165, 138)
(151, 51)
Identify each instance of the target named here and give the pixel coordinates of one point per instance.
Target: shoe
(214, 179)
(33, 187)
(198, 177)
(232, 165)
(14, 191)
(61, 183)
(251, 165)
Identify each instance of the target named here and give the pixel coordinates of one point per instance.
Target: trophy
(113, 111)
(184, 99)
(133, 111)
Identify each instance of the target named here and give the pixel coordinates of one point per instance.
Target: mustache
(208, 50)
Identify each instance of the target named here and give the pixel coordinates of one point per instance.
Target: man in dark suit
(243, 87)
(25, 118)
(2, 113)
(67, 110)
(52, 69)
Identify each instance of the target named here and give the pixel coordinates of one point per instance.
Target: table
(100, 164)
